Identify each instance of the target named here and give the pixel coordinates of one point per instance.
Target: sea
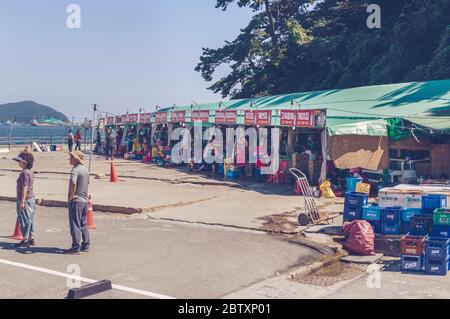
(24, 134)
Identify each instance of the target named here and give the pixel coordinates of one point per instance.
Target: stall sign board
(145, 118)
(264, 118)
(231, 117)
(133, 118)
(220, 117)
(178, 117)
(311, 118)
(124, 119)
(119, 119)
(288, 117)
(110, 120)
(249, 118)
(200, 116)
(161, 117)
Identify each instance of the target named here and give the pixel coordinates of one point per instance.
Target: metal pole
(10, 134)
(92, 136)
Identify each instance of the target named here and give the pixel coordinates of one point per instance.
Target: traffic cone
(90, 215)
(114, 178)
(17, 232)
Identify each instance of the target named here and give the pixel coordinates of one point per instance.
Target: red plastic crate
(413, 245)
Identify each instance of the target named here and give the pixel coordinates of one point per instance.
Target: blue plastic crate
(437, 248)
(428, 211)
(434, 201)
(436, 266)
(412, 263)
(352, 213)
(441, 231)
(406, 227)
(371, 213)
(352, 182)
(353, 199)
(376, 226)
(407, 213)
(421, 225)
(233, 174)
(391, 214)
(388, 228)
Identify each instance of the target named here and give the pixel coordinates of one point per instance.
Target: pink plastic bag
(361, 238)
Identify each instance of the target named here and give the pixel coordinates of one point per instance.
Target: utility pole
(10, 133)
(92, 136)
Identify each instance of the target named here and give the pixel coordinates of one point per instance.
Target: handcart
(311, 214)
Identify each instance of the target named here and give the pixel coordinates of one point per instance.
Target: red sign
(124, 119)
(264, 118)
(228, 117)
(249, 118)
(110, 120)
(305, 118)
(119, 119)
(145, 118)
(178, 117)
(287, 118)
(133, 118)
(231, 117)
(161, 118)
(200, 116)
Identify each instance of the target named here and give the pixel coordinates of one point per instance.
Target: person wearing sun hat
(26, 203)
(78, 204)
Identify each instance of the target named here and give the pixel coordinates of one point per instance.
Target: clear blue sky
(127, 54)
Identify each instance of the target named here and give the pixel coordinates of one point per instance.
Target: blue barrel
(352, 182)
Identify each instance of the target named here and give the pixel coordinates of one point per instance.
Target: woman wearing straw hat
(26, 203)
(78, 204)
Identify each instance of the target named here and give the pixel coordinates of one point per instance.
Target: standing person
(78, 140)
(109, 145)
(98, 142)
(78, 204)
(70, 139)
(26, 203)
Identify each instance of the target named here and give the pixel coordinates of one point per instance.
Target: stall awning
(357, 127)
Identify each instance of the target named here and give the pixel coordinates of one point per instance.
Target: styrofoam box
(389, 199)
(413, 201)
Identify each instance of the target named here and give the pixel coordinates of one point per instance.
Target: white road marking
(83, 279)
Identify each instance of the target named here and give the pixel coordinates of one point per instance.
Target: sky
(127, 54)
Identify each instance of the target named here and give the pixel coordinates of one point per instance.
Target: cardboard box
(391, 198)
(413, 201)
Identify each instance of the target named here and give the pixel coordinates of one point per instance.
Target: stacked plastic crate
(437, 256)
(353, 206)
(372, 214)
(391, 220)
(412, 250)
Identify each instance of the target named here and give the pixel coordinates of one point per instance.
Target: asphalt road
(144, 258)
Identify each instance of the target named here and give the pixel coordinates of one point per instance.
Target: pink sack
(361, 238)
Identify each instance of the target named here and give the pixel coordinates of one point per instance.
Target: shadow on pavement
(32, 250)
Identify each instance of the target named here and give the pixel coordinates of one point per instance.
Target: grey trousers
(78, 224)
(27, 218)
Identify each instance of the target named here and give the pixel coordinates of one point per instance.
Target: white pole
(92, 137)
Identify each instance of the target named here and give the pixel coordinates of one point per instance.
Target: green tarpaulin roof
(362, 110)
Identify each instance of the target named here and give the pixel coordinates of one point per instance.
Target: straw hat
(79, 156)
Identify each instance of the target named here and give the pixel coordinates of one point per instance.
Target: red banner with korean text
(264, 118)
(288, 117)
(178, 117)
(200, 116)
(145, 118)
(161, 118)
(249, 117)
(133, 118)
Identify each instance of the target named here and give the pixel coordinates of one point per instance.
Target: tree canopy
(303, 45)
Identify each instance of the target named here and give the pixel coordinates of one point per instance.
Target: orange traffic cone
(17, 232)
(90, 215)
(114, 178)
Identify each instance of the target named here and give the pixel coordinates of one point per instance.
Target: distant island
(29, 112)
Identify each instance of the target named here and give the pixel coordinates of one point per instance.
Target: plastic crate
(352, 213)
(406, 227)
(441, 216)
(421, 225)
(407, 213)
(353, 199)
(441, 231)
(436, 266)
(388, 228)
(437, 248)
(433, 201)
(412, 245)
(376, 226)
(392, 214)
(412, 263)
(352, 182)
(371, 213)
